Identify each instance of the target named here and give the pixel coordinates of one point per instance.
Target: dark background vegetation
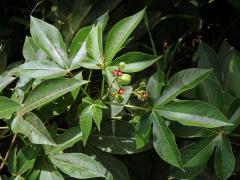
(213, 21)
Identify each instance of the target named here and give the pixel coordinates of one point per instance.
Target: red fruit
(121, 91)
(115, 72)
(119, 73)
(144, 95)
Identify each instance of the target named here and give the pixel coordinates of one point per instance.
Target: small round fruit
(125, 79)
(121, 65)
(121, 91)
(119, 98)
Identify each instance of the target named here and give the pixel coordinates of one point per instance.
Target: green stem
(216, 132)
(84, 92)
(2, 159)
(8, 152)
(152, 44)
(89, 78)
(5, 127)
(102, 88)
(128, 105)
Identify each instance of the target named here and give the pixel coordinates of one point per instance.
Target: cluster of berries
(117, 72)
(142, 95)
(119, 94)
(125, 79)
(122, 78)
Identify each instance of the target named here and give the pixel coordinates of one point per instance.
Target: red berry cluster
(117, 72)
(121, 91)
(144, 95)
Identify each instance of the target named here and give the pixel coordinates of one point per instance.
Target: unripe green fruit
(121, 65)
(125, 79)
(119, 98)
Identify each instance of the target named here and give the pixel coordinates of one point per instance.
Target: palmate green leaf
(116, 137)
(207, 58)
(233, 73)
(32, 127)
(41, 70)
(114, 168)
(103, 20)
(49, 39)
(194, 157)
(18, 177)
(4, 81)
(7, 107)
(135, 61)
(182, 131)
(85, 121)
(89, 113)
(119, 34)
(78, 50)
(29, 49)
(180, 82)
(33, 174)
(94, 45)
(211, 91)
(24, 84)
(235, 120)
(26, 158)
(65, 140)
(155, 84)
(12, 161)
(47, 170)
(224, 158)
(48, 91)
(31, 52)
(164, 141)
(78, 165)
(78, 40)
(97, 116)
(194, 113)
(143, 130)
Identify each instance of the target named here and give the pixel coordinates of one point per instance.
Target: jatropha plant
(75, 107)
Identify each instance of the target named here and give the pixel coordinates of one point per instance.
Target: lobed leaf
(180, 82)
(194, 113)
(119, 34)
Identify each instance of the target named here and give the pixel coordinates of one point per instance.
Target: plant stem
(8, 151)
(84, 92)
(5, 127)
(102, 88)
(89, 78)
(2, 159)
(152, 43)
(128, 105)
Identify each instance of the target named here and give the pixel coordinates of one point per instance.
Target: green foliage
(74, 110)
